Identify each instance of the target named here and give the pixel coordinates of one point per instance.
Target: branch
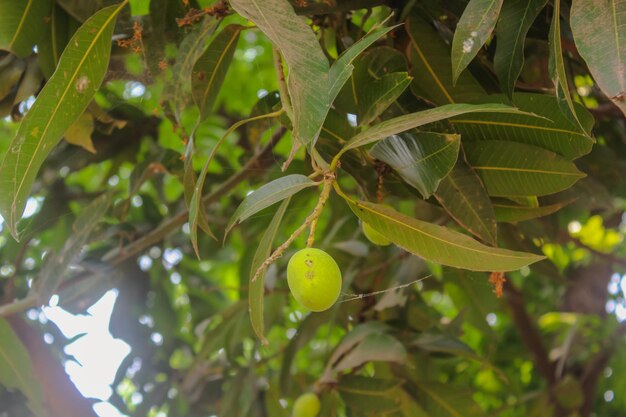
(259, 161)
(529, 333)
(596, 366)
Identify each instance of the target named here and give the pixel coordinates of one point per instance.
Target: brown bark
(61, 398)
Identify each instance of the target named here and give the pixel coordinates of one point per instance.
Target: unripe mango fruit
(375, 237)
(314, 279)
(306, 405)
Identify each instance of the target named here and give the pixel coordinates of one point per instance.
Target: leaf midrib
(528, 170)
(518, 125)
(471, 206)
(217, 66)
(58, 105)
(428, 67)
(19, 26)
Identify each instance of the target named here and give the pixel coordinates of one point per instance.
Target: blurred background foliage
(444, 345)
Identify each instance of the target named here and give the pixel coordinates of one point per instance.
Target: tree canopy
(461, 161)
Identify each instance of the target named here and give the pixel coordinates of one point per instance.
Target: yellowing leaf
(79, 133)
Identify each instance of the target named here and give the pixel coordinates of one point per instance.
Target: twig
(328, 182)
(117, 256)
(18, 306)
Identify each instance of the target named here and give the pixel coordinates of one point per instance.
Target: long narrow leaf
(516, 18)
(268, 194)
(438, 244)
(516, 169)
(556, 63)
(342, 68)
(413, 120)
(22, 24)
(64, 98)
(210, 69)
(257, 287)
(553, 131)
(308, 81)
(464, 197)
(432, 67)
(599, 29)
(474, 28)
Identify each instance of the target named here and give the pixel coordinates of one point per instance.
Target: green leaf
(413, 120)
(441, 343)
(444, 400)
(599, 31)
(472, 292)
(464, 197)
(378, 347)
(268, 194)
(556, 64)
(257, 288)
(342, 68)
(512, 213)
(378, 79)
(432, 67)
(63, 99)
(210, 69)
(552, 131)
(372, 395)
(438, 244)
(178, 89)
(22, 24)
(516, 18)
(16, 371)
(10, 77)
(308, 81)
(198, 216)
(354, 337)
(307, 329)
(474, 28)
(196, 208)
(337, 128)
(53, 272)
(422, 159)
(51, 45)
(139, 7)
(516, 169)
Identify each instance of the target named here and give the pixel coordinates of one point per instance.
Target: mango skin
(314, 279)
(306, 405)
(375, 237)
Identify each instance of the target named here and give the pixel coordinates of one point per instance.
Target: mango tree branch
(530, 334)
(260, 161)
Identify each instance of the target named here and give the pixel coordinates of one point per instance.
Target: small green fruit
(375, 237)
(314, 279)
(307, 405)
